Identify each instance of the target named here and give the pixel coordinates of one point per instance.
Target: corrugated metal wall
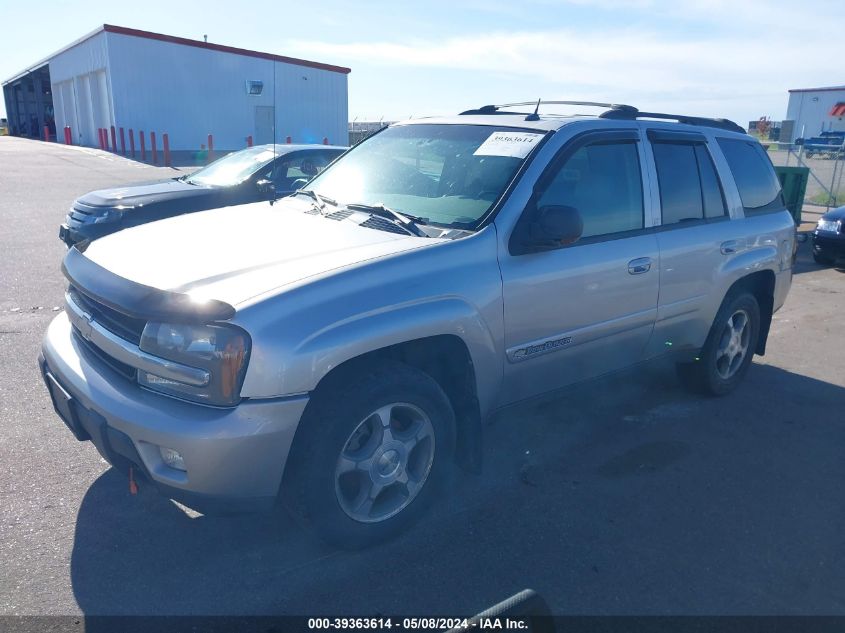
(81, 95)
(190, 92)
(811, 112)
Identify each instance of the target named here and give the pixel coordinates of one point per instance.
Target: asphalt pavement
(624, 496)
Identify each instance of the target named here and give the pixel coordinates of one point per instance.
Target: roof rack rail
(615, 111)
(633, 114)
(496, 109)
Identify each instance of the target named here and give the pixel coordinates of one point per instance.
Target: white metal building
(188, 89)
(816, 110)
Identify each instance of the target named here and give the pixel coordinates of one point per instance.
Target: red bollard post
(249, 141)
(325, 140)
(131, 143)
(122, 142)
(210, 148)
(47, 133)
(67, 135)
(100, 137)
(113, 140)
(153, 147)
(143, 147)
(166, 142)
(288, 140)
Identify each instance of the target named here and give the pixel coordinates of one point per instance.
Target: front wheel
(370, 455)
(727, 353)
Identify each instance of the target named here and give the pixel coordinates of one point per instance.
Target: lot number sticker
(515, 144)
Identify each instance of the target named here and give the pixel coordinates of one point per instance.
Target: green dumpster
(793, 180)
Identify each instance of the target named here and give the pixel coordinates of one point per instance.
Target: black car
(250, 175)
(829, 237)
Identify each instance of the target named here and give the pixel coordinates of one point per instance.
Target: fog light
(172, 458)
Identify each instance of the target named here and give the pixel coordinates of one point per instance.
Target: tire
(718, 371)
(323, 491)
(824, 260)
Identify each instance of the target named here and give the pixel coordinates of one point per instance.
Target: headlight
(831, 226)
(222, 350)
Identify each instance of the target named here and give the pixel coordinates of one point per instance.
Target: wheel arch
(761, 284)
(444, 357)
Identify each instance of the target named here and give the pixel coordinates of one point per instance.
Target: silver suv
(341, 349)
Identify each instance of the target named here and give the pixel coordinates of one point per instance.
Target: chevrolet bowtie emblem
(84, 326)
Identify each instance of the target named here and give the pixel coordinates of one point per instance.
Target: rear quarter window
(759, 188)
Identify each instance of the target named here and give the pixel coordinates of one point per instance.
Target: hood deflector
(137, 300)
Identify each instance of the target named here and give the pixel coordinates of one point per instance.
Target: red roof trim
(122, 30)
(831, 89)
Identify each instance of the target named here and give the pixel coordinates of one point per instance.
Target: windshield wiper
(407, 222)
(319, 201)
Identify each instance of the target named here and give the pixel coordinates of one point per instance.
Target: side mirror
(266, 186)
(555, 226)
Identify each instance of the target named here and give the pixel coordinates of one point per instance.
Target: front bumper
(234, 457)
(74, 232)
(829, 244)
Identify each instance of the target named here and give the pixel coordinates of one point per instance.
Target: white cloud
(715, 72)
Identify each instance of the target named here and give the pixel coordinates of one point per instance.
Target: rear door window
(759, 188)
(688, 182)
(711, 189)
(680, 184)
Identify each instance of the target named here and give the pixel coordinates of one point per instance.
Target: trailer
(827, 145)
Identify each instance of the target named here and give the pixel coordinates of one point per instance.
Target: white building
(188, 89)
(815, 110)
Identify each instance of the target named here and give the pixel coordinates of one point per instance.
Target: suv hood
(835, 214)
(142, 194)
(235, 253)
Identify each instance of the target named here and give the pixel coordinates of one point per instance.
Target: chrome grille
(126, 327)
(127, 371)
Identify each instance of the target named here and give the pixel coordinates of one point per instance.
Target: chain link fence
(826, 184)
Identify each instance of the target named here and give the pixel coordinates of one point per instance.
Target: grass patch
(824, 199)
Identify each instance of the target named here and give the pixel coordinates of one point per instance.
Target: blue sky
(731, 58)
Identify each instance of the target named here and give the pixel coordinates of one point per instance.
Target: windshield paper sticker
(515, 144)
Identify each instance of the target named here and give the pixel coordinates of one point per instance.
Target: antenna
(275, 158)
(534, 116)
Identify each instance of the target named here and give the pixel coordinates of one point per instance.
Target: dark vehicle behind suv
(257, 173)
(829, 237)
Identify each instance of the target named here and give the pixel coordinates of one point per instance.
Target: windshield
(232, 169)
(446, 174)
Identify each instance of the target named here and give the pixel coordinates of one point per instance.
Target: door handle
(731, 246)
(639, 266)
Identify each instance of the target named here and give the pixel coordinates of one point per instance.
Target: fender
(752, 260)
(305, 332)
(328, 348)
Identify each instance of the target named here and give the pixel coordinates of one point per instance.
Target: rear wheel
(727, 353)
(370, 455)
